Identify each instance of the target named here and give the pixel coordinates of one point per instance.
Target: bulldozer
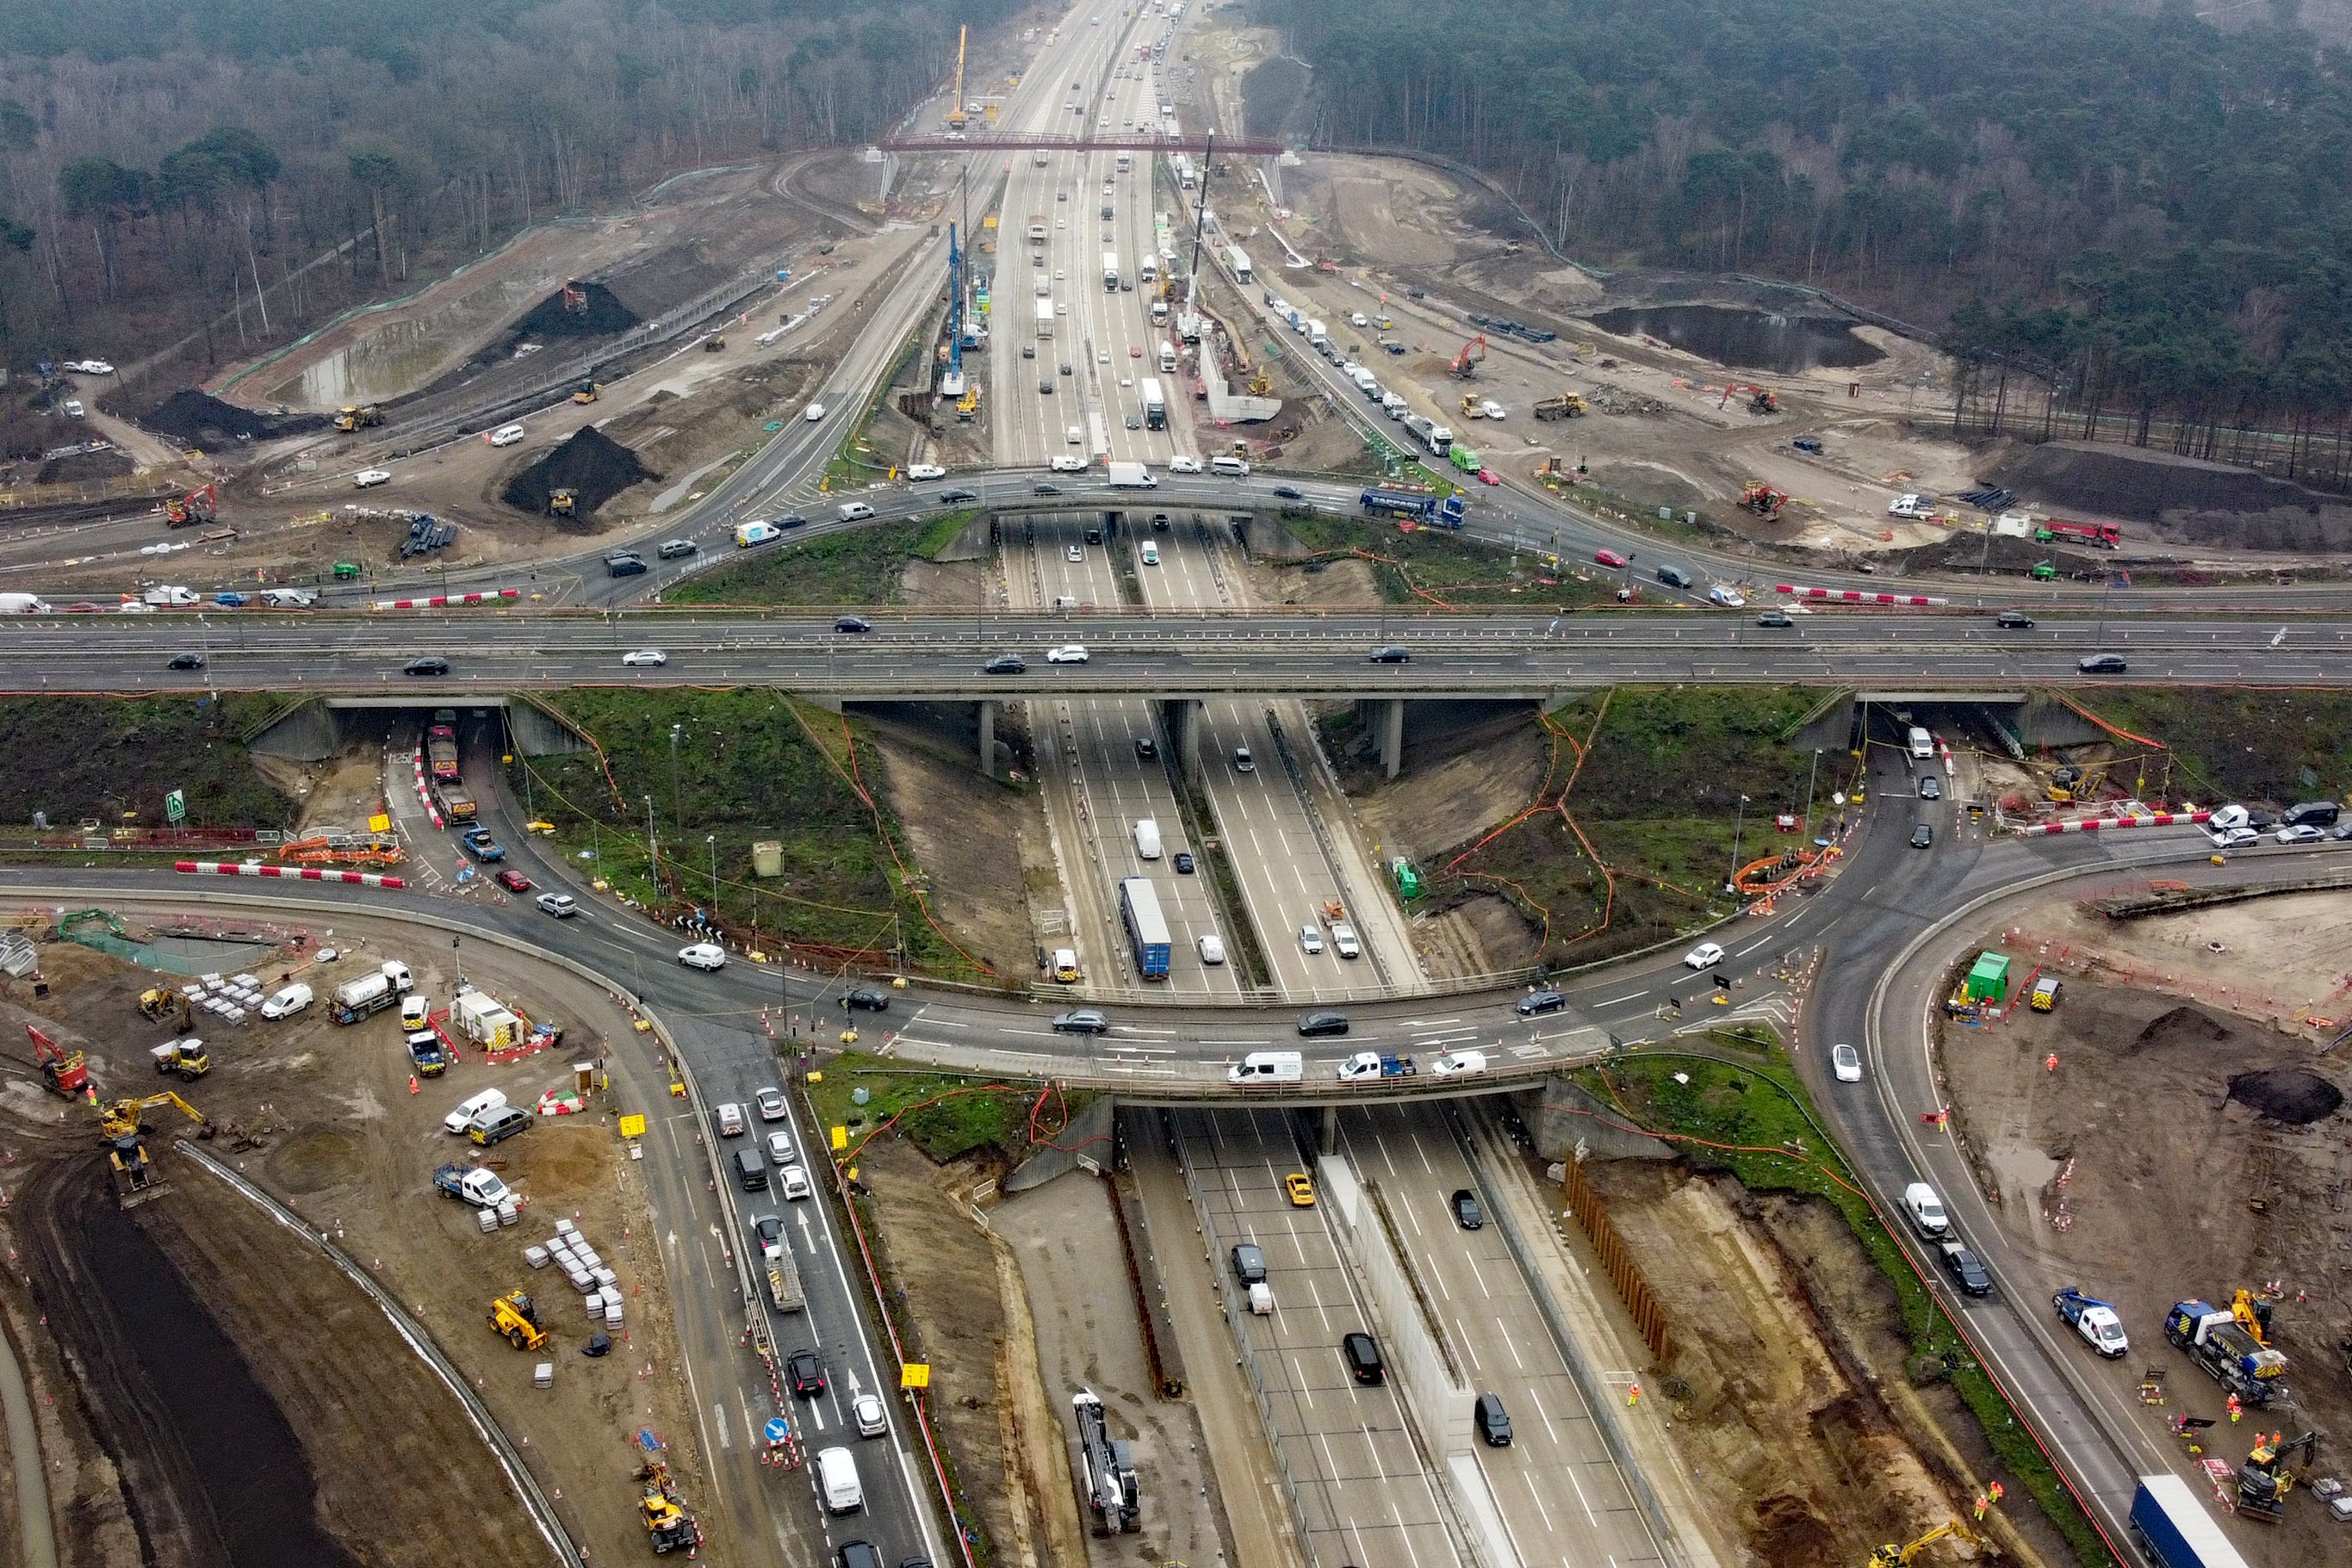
(588, 392)
(2264, 1480)
(65, 1072)
(561, 503)
(1567, 405)
(186, 1057)
(357, 416)
(1893, 1557)
(513, 1316)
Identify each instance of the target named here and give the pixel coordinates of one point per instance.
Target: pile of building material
(599, 1286)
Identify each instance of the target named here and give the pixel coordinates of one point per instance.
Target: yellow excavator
(160, 1004)
(127, 1159)
(513, 1316)
(1893, 1557)
(668, 1526)
(120, 1119)
(2253, 1315)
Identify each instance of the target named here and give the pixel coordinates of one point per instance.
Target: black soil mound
(110, 464)
(2185, 1026)
(204, 421)
(592, 466)
(2295, 1095)
(599, 313)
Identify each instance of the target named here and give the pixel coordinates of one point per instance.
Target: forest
(163, 160)
(2145, 216)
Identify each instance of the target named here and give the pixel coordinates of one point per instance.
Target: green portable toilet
(1988, 978)
(1408, 881)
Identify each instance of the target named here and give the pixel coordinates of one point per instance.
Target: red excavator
(1465, 363)
(196, 506)
(1762, 499)
(64, 1071)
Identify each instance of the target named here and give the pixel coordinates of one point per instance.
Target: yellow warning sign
(633, 1126)
(380, 823)
(915, 1374)
(840, 1139)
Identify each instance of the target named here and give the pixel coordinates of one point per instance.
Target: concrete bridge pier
(1387, 714)
(1327, 1129)
(1184, 726)
(988, 737)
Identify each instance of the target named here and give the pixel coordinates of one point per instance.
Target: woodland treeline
(162, 159)
(2148, 218)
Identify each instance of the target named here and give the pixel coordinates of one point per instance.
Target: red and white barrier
(2100, 824)
(440, 600)
(290, 872)
(424, 796)
(1852, 595)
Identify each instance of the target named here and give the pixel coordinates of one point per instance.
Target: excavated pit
(2295, 1095)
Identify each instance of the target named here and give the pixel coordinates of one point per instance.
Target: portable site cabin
(1988, 978)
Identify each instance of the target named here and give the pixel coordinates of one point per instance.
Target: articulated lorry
(441, 750)
(2168, 1520)
(1432, 511)
(1110, 272)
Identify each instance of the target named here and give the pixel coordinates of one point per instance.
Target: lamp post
(713, 840)
(652, 846)
(1738, 821)
(676, 801)
(1806, 827)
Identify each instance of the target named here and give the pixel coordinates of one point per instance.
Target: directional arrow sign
(776, 1430)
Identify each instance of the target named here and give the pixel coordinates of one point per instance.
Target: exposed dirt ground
(955, 821)
(2176, 1118)
(347, 1144)
(1789, 1345)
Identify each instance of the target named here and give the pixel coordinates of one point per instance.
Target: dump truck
(350, 417)
(186, 1057)
(1036, 229)
(1567, 405)
(441, 751)
(1106, 1470)
(2231, 1355)
(783, 1278)
(456, 801)
(481, 1188)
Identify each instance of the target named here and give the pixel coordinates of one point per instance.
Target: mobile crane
(1112, 1495)
(957, 118)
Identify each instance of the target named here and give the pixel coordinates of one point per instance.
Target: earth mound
(2184, 1026)
(2295, 1095)
(204, 421)
(592, 466)
(598, 313)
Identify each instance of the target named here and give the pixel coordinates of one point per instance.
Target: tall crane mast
(956, 116)
(952, 384)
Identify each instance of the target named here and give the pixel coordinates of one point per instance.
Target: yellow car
(1301, 1190)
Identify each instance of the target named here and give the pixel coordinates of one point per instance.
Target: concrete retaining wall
(1433, 1395)
(307, 734)
(1561, 1112)
(1089, 1134)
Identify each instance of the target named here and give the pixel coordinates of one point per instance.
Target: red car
(514, 881)
(1608, 558)
(1488, 476)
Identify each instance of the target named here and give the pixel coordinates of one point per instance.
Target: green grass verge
(1756, 1110)
(2227, 744)
(854, 566)
(747, 770)
(945, 1114)
(1459, 570)
(113, 761)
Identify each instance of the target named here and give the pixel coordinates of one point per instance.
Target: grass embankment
(750, 765)
(945, 1114)
(1755, 1121)
(113, 761)
(1630, 837)
(2225, 745)
(854, 566)
(1435, 566)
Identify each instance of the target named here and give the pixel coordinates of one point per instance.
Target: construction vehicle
(1893, 1557)
(186, 1056)
(561, 503)
(1762, 499)
(667, 1524)
(1261, 384)
(441, 751)
(783, 1278)
(195, 507)
(1567, 405)
(2068, 785)
(713, 343)
(120, 1118)
(588, 392)
(513, 1316)
(2253, 1314)
(133, 1173)
(63, 1071)
(2234, 1358)
(157, 1004)
(2100, 1325)
(1466, 364)
(1106, 1470)
(2098, 535)
(351, 417)
(2044, 571)
(1764, 401)
(2264, 1480)
(957, 117)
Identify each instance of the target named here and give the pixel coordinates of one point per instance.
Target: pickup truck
(483, 1189)
(424, 1051)
(1366, 1064)
(2101, 1328)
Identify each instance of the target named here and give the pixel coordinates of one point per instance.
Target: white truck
(1110, 272)
(481, 1188)
(783, 1278)
(1045, 319)
(1131, 477)
(370, 993)
(1392, 404)
(1238, 261)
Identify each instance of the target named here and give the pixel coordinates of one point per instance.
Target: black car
(1362, 1354)
(186, 661)
(1184, 863)
(1146, 748)
(1923, 837)
(1160, 523)
(769, 1229)
(1046, 385)
(957, 498)
(1065, 367)
(1082, 1021)
(2014, 620)
(867, 998)
(1043, 489)
(1324, 1022)
(626, 563)
(1249, 1263)
(431, 665)
(808, 1376)
(791, 520)
(1493, 1422)
(1392, 655)
(1966, 1269)
(860, 1555)
(1289, 492)
(853, 623)
(2101, 664)
(1004, 664)
(1931, 788)
(1776, 617)
(1467, 1212)
(1536, 1003)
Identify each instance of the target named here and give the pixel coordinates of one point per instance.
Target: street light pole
(713, 840)
(676, 801)
(1738, 821)
(1807, 826)
(652, 846)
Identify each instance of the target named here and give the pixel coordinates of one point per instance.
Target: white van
(750, 534)
(1147, 838)
(1233, 465)
(836, 1478)
(288, 598)
(1075, 434)
(1268, 1067)
(1922, 744)
(1148, 553)
(854, 511)
(1926, 1209)
(287, 1002)
(505, 435)
(1045, 288)
(477, 1105)
(731, 1120)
